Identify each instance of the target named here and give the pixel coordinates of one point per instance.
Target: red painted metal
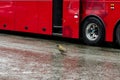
(45, 17)
(7, 15)
(111, 18)
(71, 18)
(36, 16)
(26, 16)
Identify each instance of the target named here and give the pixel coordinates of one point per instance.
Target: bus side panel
(112, 11)
(102, 9)
(71, 18)
(45, 17)
(26, 16)
(6, 15)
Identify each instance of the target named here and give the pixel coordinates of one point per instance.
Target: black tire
(117, 34)
(93, 31)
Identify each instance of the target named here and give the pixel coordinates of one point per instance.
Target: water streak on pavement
(25, 58)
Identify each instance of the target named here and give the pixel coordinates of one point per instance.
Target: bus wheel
(92, 31)
(118, 35)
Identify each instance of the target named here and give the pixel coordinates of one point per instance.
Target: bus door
(71, 9)
(57, 17)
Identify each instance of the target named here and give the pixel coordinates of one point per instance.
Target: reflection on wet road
(25, 58)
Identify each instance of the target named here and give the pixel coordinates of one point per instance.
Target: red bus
(94, 21)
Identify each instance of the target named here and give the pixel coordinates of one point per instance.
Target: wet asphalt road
(27, 58)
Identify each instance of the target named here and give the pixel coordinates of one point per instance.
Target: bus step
(57, 26)
(57, 34)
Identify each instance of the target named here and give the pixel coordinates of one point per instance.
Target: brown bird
(61, 49)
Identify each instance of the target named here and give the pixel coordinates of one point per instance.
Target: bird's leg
(63, 53)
